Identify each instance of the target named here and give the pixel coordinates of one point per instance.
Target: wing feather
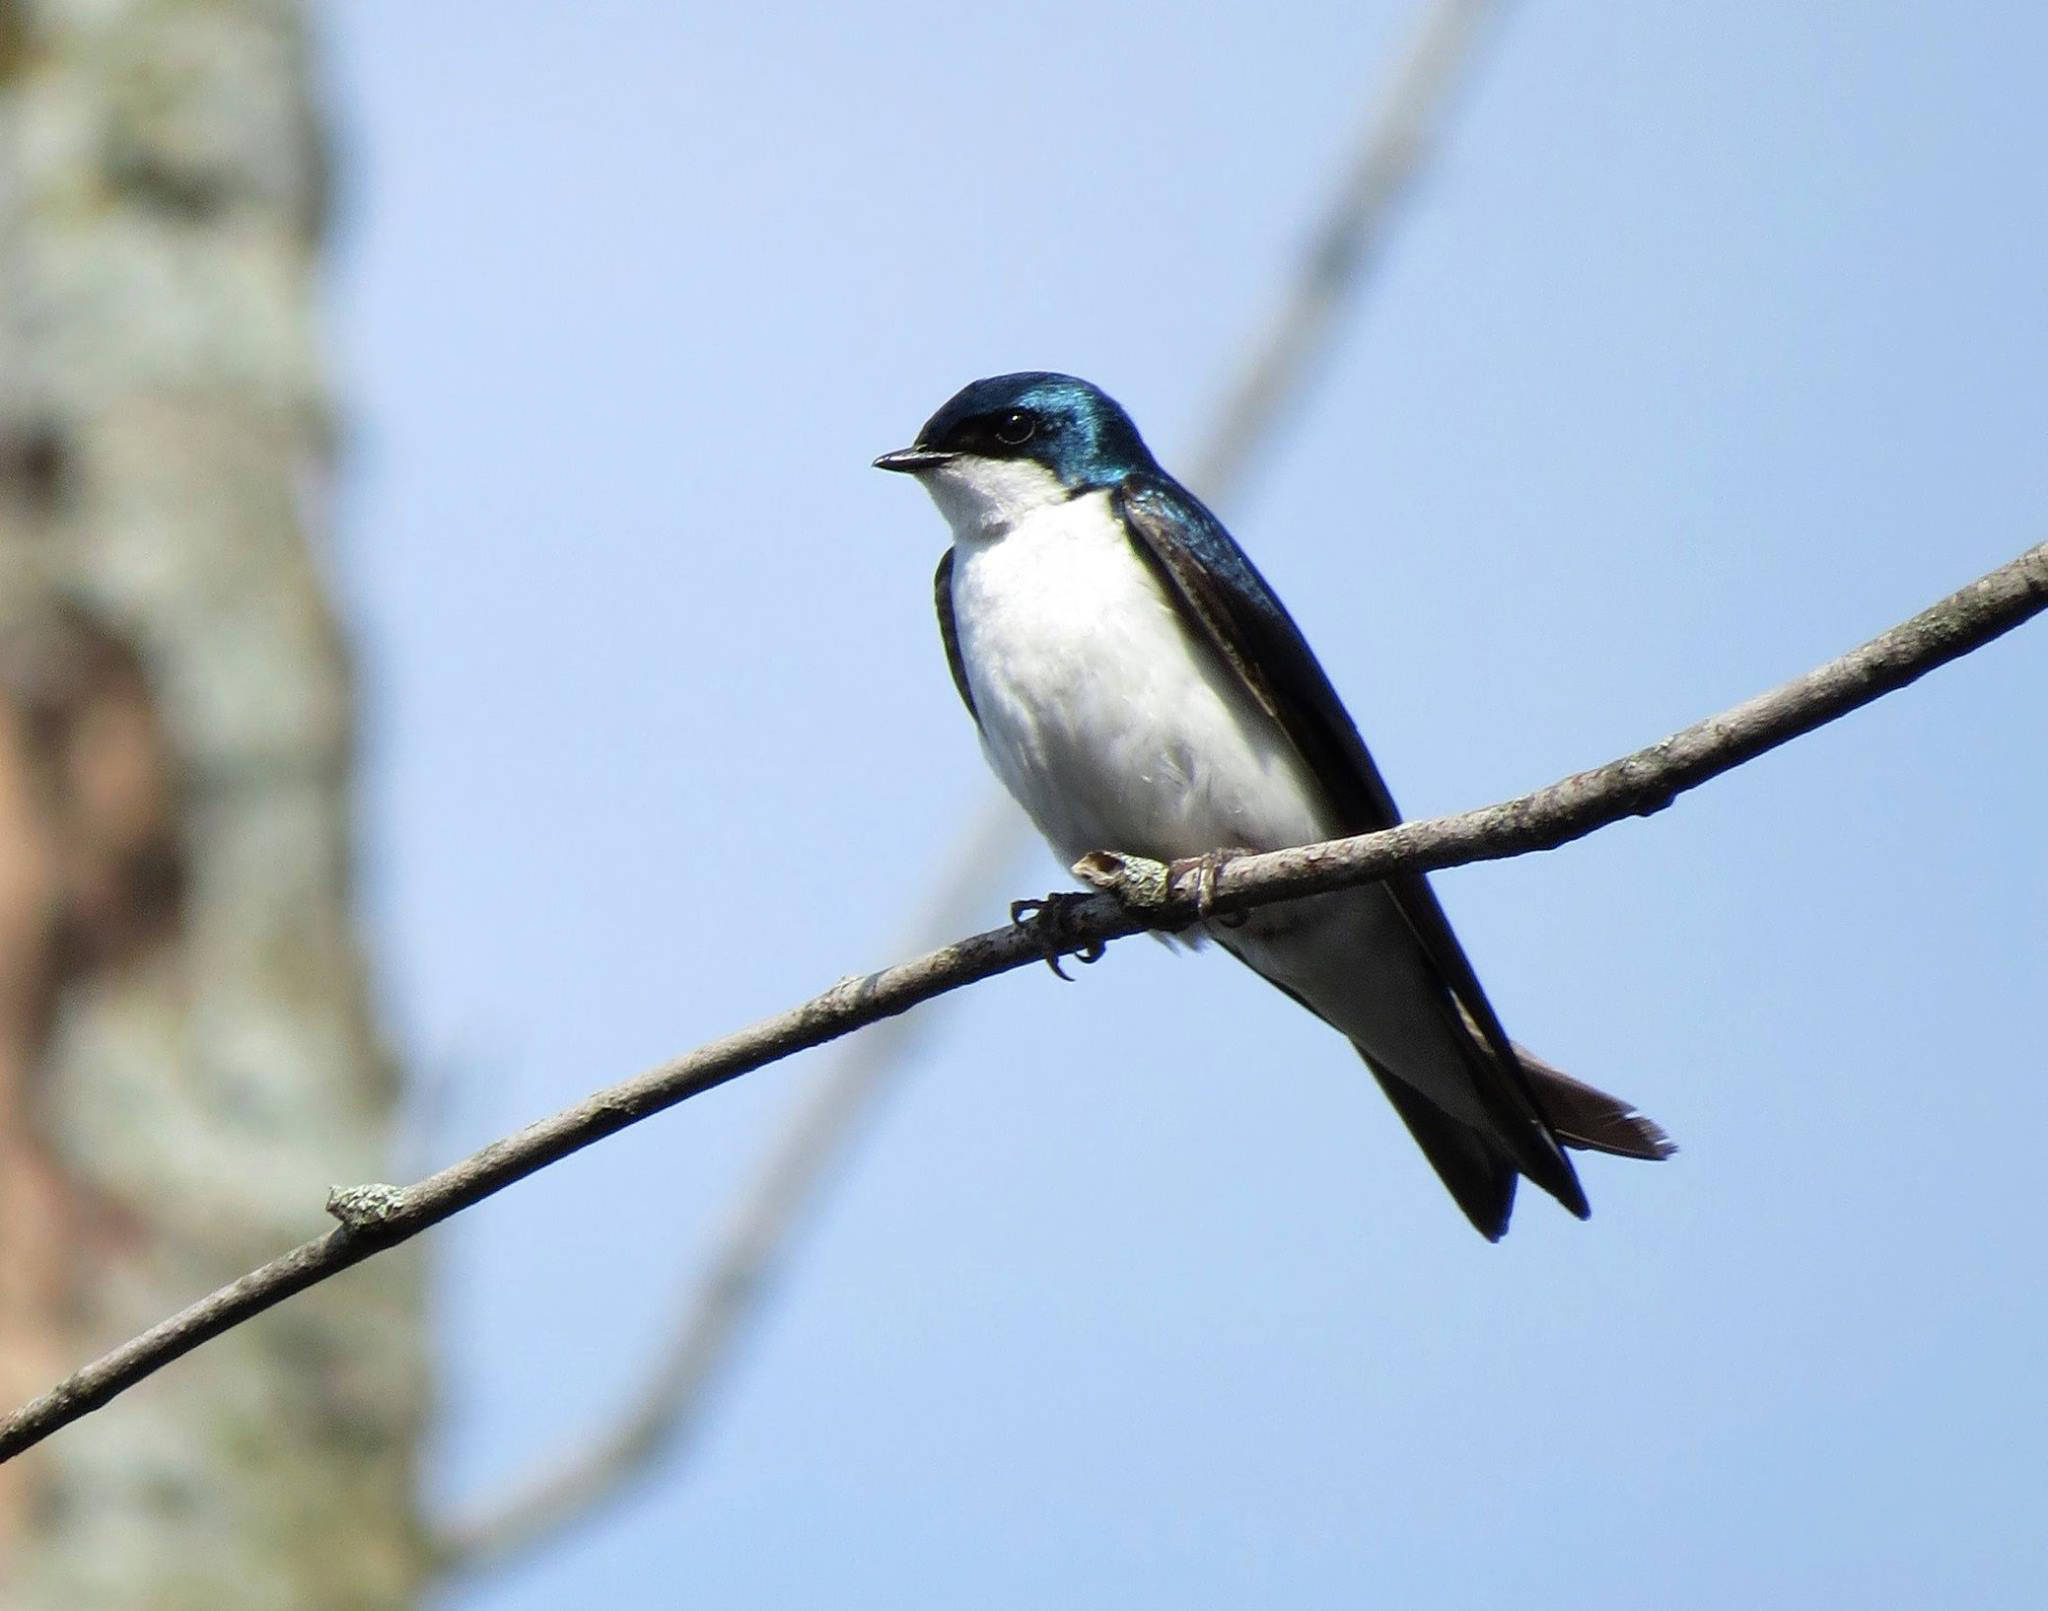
(1230, 605)
(949, 633)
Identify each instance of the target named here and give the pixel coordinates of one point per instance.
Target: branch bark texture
(374, 1218)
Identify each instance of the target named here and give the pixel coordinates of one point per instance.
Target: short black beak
(912, 460)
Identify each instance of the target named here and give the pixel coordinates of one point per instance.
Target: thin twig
(377, 1217)
(1394, 147)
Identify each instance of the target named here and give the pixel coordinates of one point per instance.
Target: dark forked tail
(1476, 1169)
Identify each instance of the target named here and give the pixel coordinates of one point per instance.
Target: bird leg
(1050, 923)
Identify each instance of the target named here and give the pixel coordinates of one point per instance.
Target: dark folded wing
(1229, 605)
(1478, 1175)
(942, 596)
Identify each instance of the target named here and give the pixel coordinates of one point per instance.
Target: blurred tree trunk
(187, 1055)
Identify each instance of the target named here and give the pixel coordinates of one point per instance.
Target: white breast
(1099, 712)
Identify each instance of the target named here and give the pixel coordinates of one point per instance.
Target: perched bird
(1139, 688)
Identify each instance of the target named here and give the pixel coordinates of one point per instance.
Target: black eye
(1014, 428)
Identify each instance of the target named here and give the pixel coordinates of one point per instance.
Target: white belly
(1100, 713)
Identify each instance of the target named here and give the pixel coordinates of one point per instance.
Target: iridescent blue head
(1057, 422)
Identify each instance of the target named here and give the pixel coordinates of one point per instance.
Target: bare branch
(377, 1217)
(1394, 148)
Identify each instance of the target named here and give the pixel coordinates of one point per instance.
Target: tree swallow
(1139, 688)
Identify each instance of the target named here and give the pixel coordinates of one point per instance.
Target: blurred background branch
(721, 1306)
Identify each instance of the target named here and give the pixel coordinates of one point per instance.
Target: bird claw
(1205, 867)
(1050, 923)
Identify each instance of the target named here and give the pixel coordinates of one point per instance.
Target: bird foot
(1145, 885)
(1050, 923)
(1205, 867)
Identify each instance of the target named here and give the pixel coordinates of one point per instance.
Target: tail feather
(1584, 1116)
(1476, 1168)
(1590, 1119)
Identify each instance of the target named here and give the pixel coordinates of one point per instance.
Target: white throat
(1110, 724)
(983, 498)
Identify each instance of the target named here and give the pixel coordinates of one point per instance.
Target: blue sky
(1714, 344)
